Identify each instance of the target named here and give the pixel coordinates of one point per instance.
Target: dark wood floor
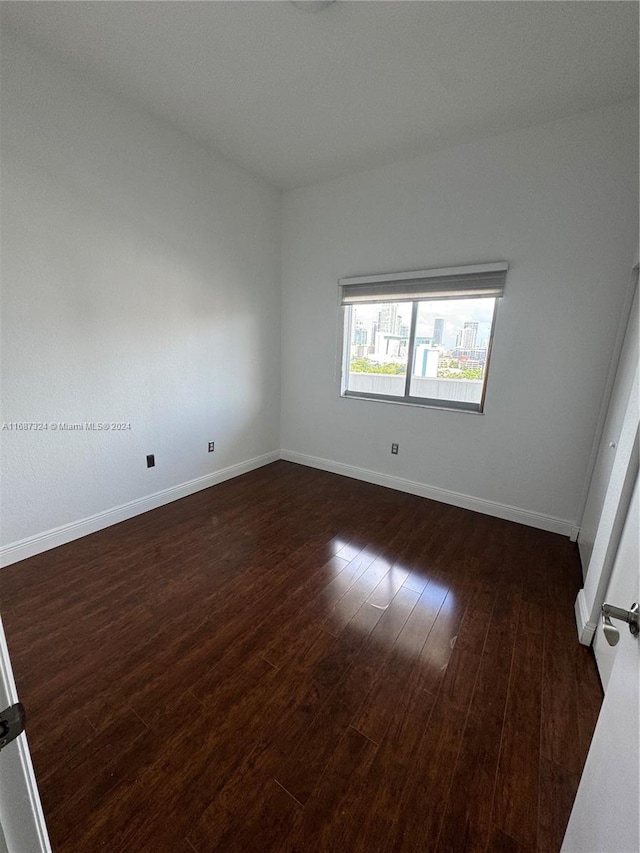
(296, 661)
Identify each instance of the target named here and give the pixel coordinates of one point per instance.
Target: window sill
(440, 405)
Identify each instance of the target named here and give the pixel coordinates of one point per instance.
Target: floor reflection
(368, 581)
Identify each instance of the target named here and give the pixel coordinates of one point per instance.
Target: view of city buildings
(452, 338)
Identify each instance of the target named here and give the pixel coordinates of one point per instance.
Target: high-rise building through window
(388, 318)
(469, 335)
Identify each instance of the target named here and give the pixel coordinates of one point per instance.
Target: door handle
(609, 612)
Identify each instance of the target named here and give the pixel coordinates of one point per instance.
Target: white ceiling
(298, 97)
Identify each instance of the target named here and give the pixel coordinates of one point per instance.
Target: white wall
(140, 284)
(559, 203)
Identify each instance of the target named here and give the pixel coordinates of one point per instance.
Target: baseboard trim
(41, 542)
(509, 513)
(586, 629)
(32, 545)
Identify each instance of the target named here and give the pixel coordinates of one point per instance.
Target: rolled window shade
(456, 283)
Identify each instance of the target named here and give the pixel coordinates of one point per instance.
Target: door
(606, 812)
(627, 364)
(622, 590)
(22, 826)
(613, 508)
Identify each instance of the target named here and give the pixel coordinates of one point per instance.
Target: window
(423, 337)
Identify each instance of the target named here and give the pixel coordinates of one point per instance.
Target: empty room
(319, 426)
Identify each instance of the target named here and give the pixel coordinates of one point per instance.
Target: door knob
(609, 612)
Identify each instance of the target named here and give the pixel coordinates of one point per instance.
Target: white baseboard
(510, 513)
(586, 629)
(32, 545)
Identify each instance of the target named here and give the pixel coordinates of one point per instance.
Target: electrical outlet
(211, 446)
(151, 461)
(394, 449)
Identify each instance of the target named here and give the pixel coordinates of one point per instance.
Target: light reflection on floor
(355, 568)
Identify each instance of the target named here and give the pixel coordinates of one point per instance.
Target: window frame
(447, 279)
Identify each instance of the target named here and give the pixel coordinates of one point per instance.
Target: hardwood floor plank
(99, 804)
(467, 819)
(373, 821)
(500, 842)
(263, 819)
(320, 826)
(302, 768)
(427, 787)
(560, 740)
(377, 708)
(48, 729)
(284, 638)
(516, 804)
(557, 790)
